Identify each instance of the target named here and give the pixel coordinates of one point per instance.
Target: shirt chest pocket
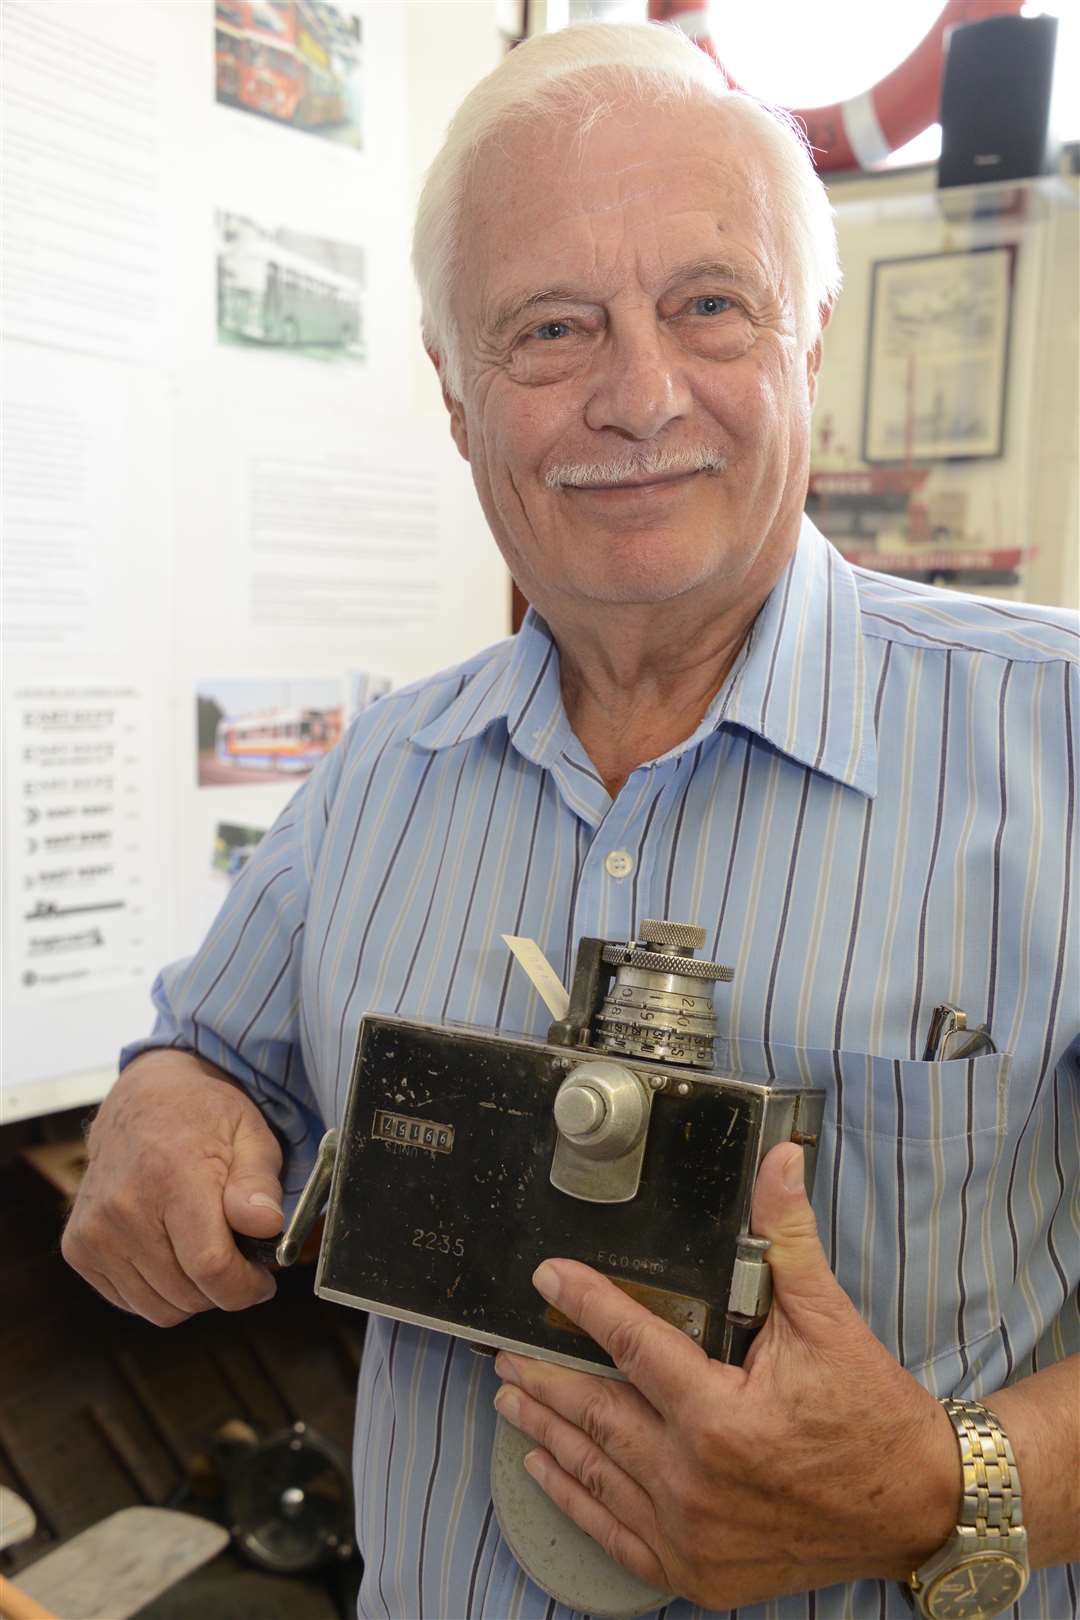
(911, 1196)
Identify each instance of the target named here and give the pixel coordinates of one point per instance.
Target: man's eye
(712, 304)
(550, 331)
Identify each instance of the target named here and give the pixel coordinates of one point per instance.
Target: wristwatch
(983, 1567)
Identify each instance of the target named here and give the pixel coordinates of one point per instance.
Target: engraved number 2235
(443, 1242)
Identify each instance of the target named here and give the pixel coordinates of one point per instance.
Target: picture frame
(937, 357)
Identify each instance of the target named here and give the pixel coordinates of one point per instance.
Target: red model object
(862, 131)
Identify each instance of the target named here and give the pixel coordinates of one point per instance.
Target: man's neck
(631, 698)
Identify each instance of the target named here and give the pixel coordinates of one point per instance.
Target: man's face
(635, 405)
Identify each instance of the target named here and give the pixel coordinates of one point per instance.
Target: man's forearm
(1041, 1416)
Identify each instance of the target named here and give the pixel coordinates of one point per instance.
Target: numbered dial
(660, 1006)
(980, 1586)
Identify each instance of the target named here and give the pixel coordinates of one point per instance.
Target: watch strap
(990, 1525)
(991, 1510)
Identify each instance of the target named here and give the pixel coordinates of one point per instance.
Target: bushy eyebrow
(744, 274)
(504, 314)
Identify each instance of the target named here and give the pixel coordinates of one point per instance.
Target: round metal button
(578, 1110)
(619, 864)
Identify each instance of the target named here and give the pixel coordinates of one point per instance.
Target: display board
(944, 430)
(228, 524)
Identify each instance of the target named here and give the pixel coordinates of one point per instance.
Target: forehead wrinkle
(613, 173)
(622, 202)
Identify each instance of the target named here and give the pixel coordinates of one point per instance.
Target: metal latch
(751, 1282)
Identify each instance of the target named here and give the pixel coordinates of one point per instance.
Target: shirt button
(619, 863)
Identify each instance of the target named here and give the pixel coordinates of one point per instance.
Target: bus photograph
(271, 294)
(295, 61)
(279, 741)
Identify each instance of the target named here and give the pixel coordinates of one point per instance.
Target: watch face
(977, 1588)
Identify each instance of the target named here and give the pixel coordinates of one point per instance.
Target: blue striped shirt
(877, 813)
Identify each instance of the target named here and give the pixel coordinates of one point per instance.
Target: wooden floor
(100, 1411)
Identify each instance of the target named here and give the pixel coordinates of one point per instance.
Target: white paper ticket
(542, 976)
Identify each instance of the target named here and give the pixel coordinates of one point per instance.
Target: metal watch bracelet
(991, 1510)
(990, 1529)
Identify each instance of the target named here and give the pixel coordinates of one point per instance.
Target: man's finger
(619, 1542)
(251, 1198)
(803, 1284)
(614, 1415)
(583, 1458)
(144, 1299)
(657, 1359)
(99, 1281)
(205, 1249)
(161, 1273)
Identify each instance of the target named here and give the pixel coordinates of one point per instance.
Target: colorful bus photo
(234, 845)
(295, 62)
(282, 289)
(252, 731)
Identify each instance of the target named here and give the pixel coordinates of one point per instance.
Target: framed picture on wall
(938, 356)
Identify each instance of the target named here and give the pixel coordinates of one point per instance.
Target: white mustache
(634, 468)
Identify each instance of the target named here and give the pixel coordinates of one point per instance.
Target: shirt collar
(799, 681)
(517, 683)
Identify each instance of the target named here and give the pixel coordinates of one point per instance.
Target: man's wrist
(934, 1492)
(162, 1062)
(982, 1567)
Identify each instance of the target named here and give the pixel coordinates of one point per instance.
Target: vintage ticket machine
(466, 1156)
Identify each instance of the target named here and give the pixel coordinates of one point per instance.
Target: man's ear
(813, 355)
(458, 431)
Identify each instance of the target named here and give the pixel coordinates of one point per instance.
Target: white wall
(188, 509)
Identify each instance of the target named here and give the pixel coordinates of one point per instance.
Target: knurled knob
(682, 936)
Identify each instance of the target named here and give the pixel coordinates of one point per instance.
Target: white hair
(575, 73)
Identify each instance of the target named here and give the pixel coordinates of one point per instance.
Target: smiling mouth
(658, 481)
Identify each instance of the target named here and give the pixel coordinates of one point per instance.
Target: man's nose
(639, 386)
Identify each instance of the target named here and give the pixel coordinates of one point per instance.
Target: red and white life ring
(859, 133)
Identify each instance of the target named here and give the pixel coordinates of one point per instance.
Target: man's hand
(822, 1460)
(179, 1160)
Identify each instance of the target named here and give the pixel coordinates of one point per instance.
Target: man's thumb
(251, 1198)
(782, 1213)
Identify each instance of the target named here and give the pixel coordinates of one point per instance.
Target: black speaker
(995, 101)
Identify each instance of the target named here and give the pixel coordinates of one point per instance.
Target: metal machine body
(450, 1142)
(467, 1156)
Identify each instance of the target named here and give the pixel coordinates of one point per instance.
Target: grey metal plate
(566, 1563)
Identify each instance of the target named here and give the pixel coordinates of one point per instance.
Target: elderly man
(863, 789)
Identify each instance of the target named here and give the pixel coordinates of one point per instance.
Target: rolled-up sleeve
(236, 1002)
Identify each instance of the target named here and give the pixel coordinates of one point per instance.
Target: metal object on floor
(288, 1501)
